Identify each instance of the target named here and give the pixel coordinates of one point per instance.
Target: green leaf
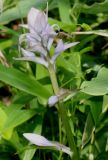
(72, 64)
(22, 98)
(67, 27)
(95, 8)
(9, 30)
(97, 86)
(8, 132)
(21, 10)
(6, 44)
(64, 8)
(17, 116)
(23, 82)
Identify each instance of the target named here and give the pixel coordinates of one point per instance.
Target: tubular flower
(40, 39)
(41, 142)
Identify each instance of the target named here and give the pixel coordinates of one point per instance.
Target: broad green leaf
(22, 98)
(29, 153)
(64, 8)
(21, 10)
(64, 26)
(72, 64)
(23, 82)
(8, 132)
(95, 8)
(18, 116)
(42, 76)
(6, 44)
(41, 72)
(97, 86)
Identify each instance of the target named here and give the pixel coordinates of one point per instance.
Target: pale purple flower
(53, 100)
(41, 141)
(60, 48)
(40, 39)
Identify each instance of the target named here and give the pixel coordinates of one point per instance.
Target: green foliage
(83, 70)
(22, 81)
(97, 86)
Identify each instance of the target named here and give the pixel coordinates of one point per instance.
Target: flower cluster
(40, 39)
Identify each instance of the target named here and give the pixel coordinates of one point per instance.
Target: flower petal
(63, 148)
(58, 50)
(30, 56)
(69, 45)
(41, 141)
(22, 38)
(49, 31)
(37, 140)
(50, 41)
(26, 53)
(37, 20)
(60, 47)
(33, 38)
(38, 48)
(33, 59)
(53, 100)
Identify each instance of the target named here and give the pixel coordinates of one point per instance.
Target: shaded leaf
(96, 107)
(88, 130)
(95, 8)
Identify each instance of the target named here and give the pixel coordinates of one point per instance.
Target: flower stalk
(62, 112)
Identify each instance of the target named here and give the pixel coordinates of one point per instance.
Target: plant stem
(63, 114)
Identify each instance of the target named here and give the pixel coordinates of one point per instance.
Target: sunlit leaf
(4, 133)
(20, 10)
(97, 86)
(23, 82)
